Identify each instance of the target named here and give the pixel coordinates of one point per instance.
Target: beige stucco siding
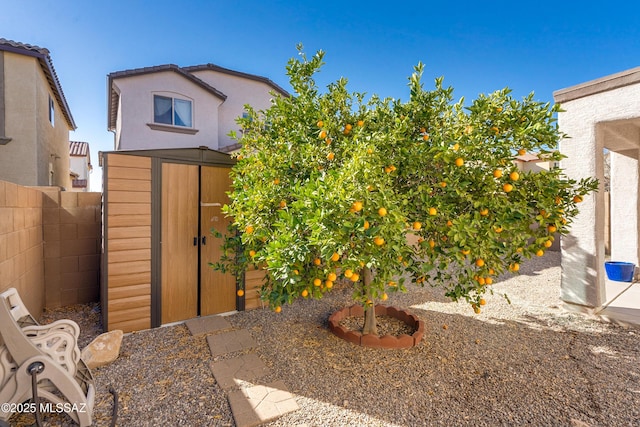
(34, 141)
(20, 103)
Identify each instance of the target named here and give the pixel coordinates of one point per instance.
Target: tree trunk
(370, 324)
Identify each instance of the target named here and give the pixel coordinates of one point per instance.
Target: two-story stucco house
(35, 119)
(168, 106)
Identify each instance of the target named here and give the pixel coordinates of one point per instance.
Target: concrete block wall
(72, 240)
(50, 243)
(21, 245)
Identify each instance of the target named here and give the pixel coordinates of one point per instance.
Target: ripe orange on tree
(497, 173)
(335, 257)
(417, 225)
(459, 161)
(507, 187)
(382, 212)
(379, 241)
(240, 292)
(514, 176)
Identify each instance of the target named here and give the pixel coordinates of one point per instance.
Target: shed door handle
(204, 240)
(195, 241)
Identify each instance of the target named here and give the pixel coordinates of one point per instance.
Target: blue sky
(477, 46)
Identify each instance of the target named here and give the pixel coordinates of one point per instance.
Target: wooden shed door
(179, 242)
(217, 290)
(192, 199)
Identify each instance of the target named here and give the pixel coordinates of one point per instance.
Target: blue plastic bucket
(620, 271)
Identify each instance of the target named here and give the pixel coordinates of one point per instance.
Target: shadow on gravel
(528, 371)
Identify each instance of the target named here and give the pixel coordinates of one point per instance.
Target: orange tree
(329, 186)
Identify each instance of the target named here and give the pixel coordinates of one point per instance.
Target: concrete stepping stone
(203, 325)
(243, 368)
(228, 342)
(259, 404)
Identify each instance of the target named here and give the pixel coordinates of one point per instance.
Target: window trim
(172, 125)
(172, 128)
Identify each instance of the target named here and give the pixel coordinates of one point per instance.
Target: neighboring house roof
(43, 57)
(78, 148)
(528, 157)
(219, 69)
(184, 72)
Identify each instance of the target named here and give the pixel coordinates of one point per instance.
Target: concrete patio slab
(229, 342)
(261, 403)
(624, 305)
(243, 368)
(203, 325)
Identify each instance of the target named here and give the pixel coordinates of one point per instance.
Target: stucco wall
(52, 140)
(18, 157)
(136, 108)
(240, 91)
(25, 159)
(592, 113)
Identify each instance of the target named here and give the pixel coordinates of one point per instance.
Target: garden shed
(159, 208)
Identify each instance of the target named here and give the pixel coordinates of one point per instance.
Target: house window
(52, 112)
(171, 111)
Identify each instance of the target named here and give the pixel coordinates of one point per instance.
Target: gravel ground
(525, 363)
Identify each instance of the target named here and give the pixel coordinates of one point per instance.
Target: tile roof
(220, 69)
(43, 57)
(78, 148)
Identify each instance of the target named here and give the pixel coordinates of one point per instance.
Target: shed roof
(43, 57)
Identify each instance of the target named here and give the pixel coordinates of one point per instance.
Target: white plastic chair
(65, 379)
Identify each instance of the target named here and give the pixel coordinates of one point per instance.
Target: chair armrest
(59, 325)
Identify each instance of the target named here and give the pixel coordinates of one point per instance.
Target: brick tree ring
(369, 340)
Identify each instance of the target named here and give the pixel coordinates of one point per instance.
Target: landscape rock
(103, 350)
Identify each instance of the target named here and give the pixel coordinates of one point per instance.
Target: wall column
(624, 206)
(583, 249)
